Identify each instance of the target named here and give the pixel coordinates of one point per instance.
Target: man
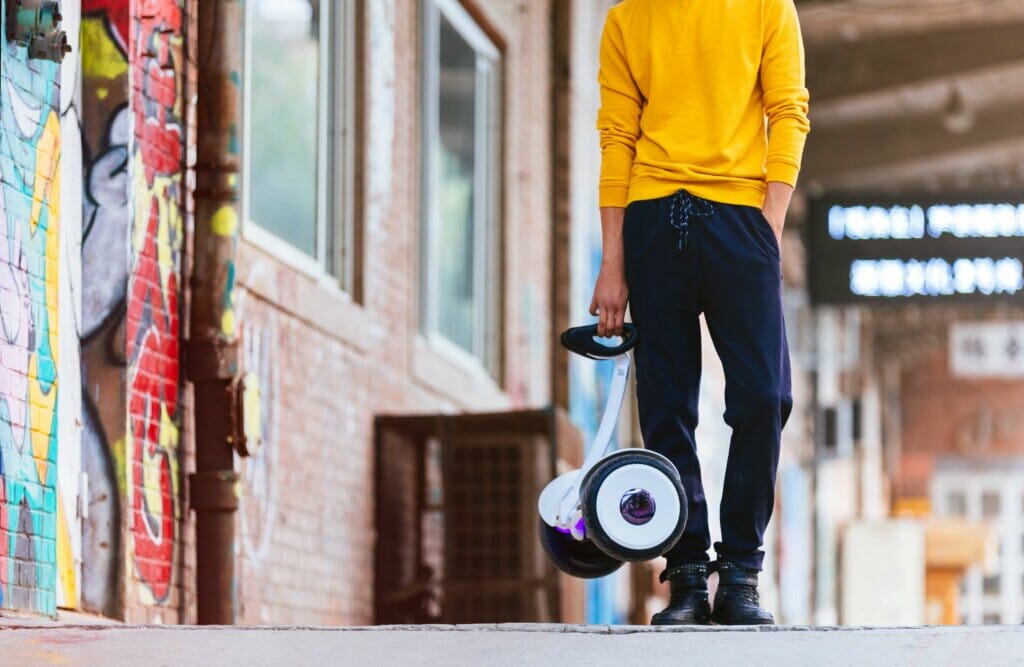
(694, 190)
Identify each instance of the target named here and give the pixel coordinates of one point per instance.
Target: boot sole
(668, 621)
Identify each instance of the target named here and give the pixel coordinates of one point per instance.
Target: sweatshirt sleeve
(785, 92)
(618, 120)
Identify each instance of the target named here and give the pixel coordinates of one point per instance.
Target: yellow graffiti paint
(43, 402)
(151, 479)
(252, 409)
(227, 322)
(225, 221)
(42, 407)
(47, 176)
(169, 436)
(101, 56)
(65, 560)
(170, 223)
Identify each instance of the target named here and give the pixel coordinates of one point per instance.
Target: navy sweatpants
(686, 256)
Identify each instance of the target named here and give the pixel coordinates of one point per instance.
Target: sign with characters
(864, 250)
(986, 349)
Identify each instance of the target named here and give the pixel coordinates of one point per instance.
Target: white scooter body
(559, 502)
(622, 505)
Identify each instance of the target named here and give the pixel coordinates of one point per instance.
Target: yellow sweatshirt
(691, 91)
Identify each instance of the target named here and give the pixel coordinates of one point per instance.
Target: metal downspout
(212, 346)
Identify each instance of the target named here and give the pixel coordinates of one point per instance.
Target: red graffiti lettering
(152, 329)
(158, 125)
(152, 318)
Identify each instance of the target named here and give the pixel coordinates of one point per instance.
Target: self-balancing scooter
(624, 505)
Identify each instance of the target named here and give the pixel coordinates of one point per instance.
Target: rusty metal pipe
(212, 346)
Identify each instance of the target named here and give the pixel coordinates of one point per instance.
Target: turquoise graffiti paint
(29, 146)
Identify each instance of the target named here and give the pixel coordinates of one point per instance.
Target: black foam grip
(581, 341)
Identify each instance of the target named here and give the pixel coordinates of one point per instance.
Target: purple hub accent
(581, 528)
(637, 506)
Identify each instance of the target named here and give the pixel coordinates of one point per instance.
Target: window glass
(284, 117)
(458, 298)
(990, 504)
(956, 504)
(461, 177)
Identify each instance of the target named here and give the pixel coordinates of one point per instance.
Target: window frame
(337, 257)
(488, 211)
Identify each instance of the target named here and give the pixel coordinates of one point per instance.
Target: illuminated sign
(863, 250)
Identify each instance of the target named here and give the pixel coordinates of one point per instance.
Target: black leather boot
(737, 601)
(688, 600)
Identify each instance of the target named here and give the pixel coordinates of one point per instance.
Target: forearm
(777, 198)
(612, 219)
(610, 291)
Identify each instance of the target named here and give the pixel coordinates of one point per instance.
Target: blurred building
(911, 229)
(897, 500)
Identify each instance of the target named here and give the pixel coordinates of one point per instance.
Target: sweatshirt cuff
(782, 172)
(613, 196)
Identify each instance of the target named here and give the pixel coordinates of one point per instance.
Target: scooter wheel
(574, 557)
(634, 506)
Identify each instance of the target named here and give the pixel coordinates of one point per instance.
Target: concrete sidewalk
(497, 645)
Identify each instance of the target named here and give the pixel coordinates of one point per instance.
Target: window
(460, 261)
(956, 504)
(990, 585)
(299, 119)
(990, 504)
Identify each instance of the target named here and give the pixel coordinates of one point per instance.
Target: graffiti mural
(152, 329)
(132, 234)
(29, 251)
(105, 234)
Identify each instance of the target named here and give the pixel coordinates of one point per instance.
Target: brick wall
(943, 416)
(327, 366)
(30, 525)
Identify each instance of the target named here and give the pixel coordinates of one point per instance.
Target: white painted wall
(69, 310)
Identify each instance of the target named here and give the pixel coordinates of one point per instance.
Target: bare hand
(776, 221)
(610, 297)
(776, 203)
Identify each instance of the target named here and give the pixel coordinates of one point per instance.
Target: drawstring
(683, 207)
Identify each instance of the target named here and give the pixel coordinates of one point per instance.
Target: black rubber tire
(575, 558)
(588, 494)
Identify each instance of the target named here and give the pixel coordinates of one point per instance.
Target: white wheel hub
(654, 486)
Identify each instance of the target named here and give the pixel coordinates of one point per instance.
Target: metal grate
(456, 518)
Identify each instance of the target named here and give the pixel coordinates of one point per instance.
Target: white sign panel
(987, 349)
(883, 573)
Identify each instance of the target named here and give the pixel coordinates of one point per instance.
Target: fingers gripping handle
(581, 341)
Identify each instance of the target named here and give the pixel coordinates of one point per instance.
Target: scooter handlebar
(581, 341)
